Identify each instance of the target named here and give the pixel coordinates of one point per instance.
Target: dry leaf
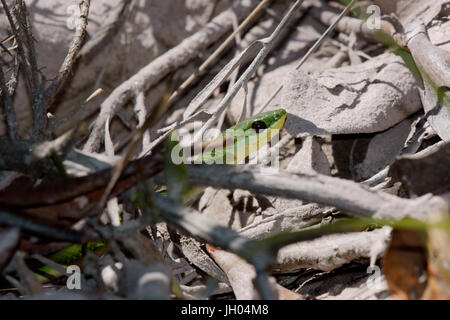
(438, 261)
(405, 265)
(416, 265)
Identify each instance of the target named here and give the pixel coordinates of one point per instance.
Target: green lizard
(233, 145)
(244, 138)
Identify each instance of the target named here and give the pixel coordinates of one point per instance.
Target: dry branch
(54, 191)
(199, 226)
(69, 61)
(346, 195)
(36, 81)
(260, 253)
(39, 227)
(8, 107)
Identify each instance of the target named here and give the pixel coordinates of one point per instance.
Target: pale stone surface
(382, 150)
(310, 159)
(369, 97)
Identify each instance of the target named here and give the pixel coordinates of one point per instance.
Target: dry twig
(71, 57)
(346, 195)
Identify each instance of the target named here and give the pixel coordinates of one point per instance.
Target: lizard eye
(259, 125)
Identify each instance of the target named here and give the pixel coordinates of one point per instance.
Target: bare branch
(8, 106)
(71, 58)
(346, 195)
(35, 82)
(46, 229)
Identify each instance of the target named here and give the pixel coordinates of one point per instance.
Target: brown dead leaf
(405, 265)
(417, 264)
(438, 262)
(410, 272)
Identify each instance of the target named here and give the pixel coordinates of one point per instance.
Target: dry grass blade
(29, 280)
(41, 228)
(220, 78)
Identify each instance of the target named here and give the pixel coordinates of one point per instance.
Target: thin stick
(11, 120)
(36, 83)
(71, 57)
